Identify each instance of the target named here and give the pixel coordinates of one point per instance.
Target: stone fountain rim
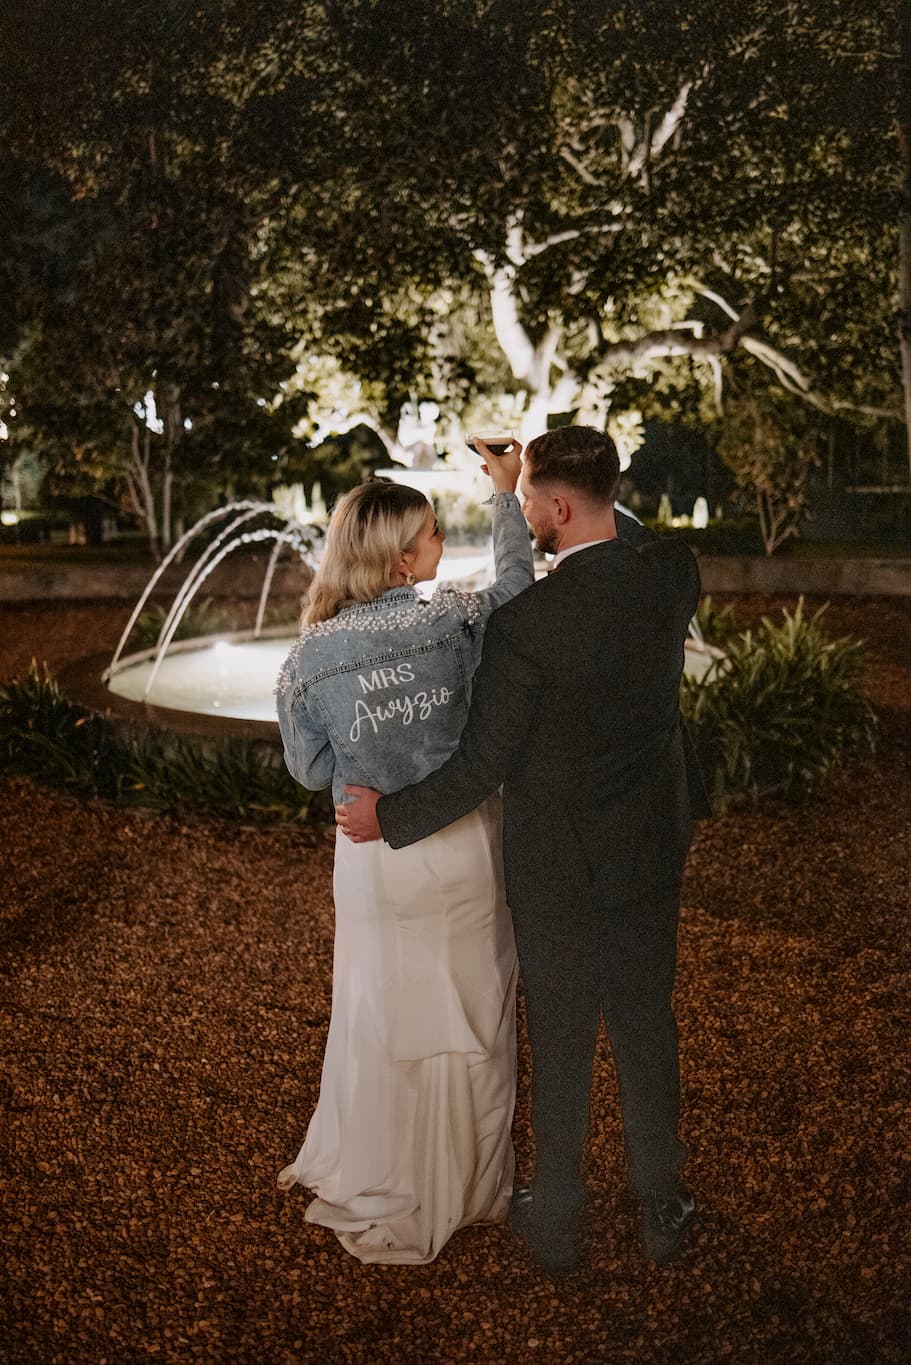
(84, 682)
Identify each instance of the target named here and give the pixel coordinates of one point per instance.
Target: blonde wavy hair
(368, 531)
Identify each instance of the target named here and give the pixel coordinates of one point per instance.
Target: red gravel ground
(164, 1003)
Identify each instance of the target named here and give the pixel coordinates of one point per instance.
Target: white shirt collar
(571, 550)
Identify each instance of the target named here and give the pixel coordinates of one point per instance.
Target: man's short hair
(581, 457)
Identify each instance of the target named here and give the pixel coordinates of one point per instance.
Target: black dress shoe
(665, 1218)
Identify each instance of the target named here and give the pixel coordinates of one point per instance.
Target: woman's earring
(410, 580)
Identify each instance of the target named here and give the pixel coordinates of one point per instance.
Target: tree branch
(584, 175)
(569, 235)
(637, 149)
(671, 121)
(675, 341)
(717, 299)
(680, 341)
(520, 251)
(337, 424)
(793, 379)
(789, 374)
(651, 144)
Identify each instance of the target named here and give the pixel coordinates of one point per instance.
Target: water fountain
(220, 685)
(216, 686)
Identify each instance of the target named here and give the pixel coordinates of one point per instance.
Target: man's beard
(546, 539)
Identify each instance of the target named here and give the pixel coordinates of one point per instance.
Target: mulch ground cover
(164, 1002)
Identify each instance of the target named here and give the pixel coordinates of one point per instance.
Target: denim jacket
(378, 695)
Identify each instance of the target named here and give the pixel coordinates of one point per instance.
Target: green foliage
(779, 711)
(457, 513)
(234, 780)
(717, 625)
(202, 617)
(284, 613)
(771, 450)
(644, 190)
(874, 519)
(734, 536)
(45, 736)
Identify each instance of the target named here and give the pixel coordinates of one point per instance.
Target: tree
(144, 360)
(771, 454)
(519, 211)
(904, 142)
(652, 189)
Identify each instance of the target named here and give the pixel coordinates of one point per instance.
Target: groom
(574, 712)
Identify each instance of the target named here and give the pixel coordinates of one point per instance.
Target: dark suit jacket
(575, 713)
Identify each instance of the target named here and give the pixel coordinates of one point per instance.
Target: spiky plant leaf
(780, 710)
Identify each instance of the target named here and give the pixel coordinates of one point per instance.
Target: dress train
(411, 1139)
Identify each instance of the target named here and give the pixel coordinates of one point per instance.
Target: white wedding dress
(410, 1139)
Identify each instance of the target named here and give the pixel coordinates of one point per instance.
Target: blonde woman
(410, 1139)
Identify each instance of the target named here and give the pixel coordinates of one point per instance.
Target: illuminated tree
(141, 360)
(519, 211)
(656, 187)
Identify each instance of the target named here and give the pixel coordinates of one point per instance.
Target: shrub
(235, 780)
(716, 625)
(45, 736)
(780, 710)
(735, 536)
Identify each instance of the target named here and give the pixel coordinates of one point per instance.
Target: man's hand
(357, 818)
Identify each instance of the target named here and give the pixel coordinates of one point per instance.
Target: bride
(410, 1139)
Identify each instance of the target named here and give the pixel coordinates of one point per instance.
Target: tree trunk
(904, 268)
(169, 410)
(140, 487)
(530, 363)
(764, 528)
(774, 524)
(167, 489)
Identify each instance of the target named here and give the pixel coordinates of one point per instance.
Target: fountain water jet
(297, 535)
(232, 677)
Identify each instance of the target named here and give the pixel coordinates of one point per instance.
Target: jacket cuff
(500, 498)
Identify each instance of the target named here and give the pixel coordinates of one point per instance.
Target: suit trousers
(619, 961)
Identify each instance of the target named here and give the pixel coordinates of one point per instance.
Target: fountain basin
(215, 687)
(231, 677)
(222, 686)
(179, 707)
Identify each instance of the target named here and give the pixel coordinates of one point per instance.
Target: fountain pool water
(230, 677)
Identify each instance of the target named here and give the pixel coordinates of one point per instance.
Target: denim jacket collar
(389, 598)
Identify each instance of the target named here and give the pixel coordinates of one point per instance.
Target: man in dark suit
(575, 713)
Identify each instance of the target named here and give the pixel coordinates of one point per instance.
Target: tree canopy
(516, 209)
